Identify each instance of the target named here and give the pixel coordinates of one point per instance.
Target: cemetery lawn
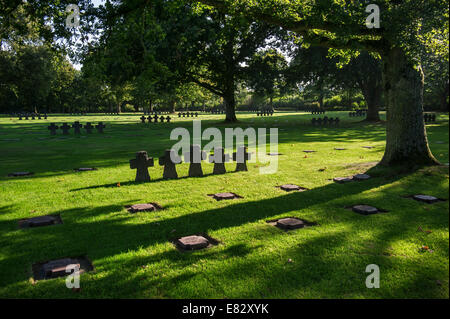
(133, 257)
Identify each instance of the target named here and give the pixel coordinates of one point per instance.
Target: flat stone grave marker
(292, 187)
(426, 199)
(309, 151)
(20, 174)
(138, 208)
(368, 147)
(169, 160)
(241, 157)
(85, 169)
(40, 221)
(195, 157)
(290, 223)
(141, 164)
(219, 159)
(339, 149)
(361, 177)
(274, 154)
(342, 180)
(57, 268)
(53, 128)
(65, 128)
(224, 196)
(194, 242)
(366, 209)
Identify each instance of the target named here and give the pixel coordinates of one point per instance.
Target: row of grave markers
(429, 118)
(187, 114)
(155, 118)
(32, 116)
(169, 160)
(357, 113)
(265, 113)
(325, 121)
(77, 126)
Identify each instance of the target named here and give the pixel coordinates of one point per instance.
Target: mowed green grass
(133, 257)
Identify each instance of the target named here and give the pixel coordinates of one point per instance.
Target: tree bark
(444, 99)
(230, 105)
(406, 137)
(372, 95)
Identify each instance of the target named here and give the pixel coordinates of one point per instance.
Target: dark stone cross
(219, 159)
(155, 119)
(162, 119)
(195, 157)
(88, 127)
(143, 119)
(168, 119)
(65, 128)
(141, 164)
(77, 126)
(100, 127)
(169, 163)
(149, 119)
(53, 128)
(241, 157)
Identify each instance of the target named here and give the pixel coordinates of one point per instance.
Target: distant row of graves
(77, 126)
(187, 114)
(429, 118)
(195, 156)
(265, 113)
(326, 121)
(32, 116)
(358, 113)
(155, 119)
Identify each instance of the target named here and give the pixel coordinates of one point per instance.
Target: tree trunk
(172, 106)
(444, 99)
(230, 105)
(372, 95)
(406, 137)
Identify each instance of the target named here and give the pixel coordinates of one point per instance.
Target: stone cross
(155, 119)
(77, 126)
(169, 163)
(241, 157)
(100, 127)
(141, 164)
(219, 159)
(89, 127)
(161, 119)
(53, 129)
(168, 119)
(149, 119)
(195, 157)
(65, 129)
(143, 119)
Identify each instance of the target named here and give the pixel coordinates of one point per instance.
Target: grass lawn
(133, 257)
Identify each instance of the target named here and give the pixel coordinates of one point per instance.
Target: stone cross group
(194, 157)
(77, 126)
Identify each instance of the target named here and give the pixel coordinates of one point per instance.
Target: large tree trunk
(406, 137)
(372, 95)
(444, 99)
(230, 105)
(172, 106)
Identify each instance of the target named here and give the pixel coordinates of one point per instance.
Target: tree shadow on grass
(84, 233)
